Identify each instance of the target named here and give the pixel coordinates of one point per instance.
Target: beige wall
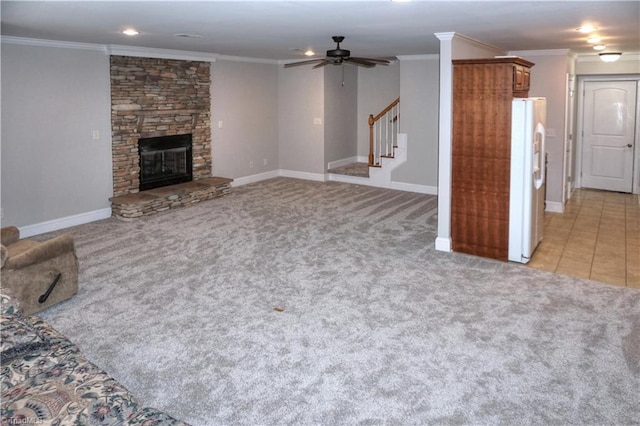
(590, 65)
(419, 83)
(244, 97)
(340, 112)
(300, 102)
(54, 99)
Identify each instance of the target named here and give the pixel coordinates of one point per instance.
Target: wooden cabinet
(483, 91)
(521, 80)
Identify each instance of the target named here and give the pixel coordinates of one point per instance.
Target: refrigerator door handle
(538, 156)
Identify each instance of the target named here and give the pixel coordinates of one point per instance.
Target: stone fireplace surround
(153, 97)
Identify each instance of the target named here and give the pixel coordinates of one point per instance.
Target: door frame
(580, 126)
(568, 171)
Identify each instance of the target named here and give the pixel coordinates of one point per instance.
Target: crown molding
(547, 52)
(247, 59)
(52, 43)
(632, 56)
(444, 36)
(147, 52)
(467, 39)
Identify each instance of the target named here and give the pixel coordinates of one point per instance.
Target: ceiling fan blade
(322, 64)
(339, 56)
(360, 62)
(297, 64)
(379, 61)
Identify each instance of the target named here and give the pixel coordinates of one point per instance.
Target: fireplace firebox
(165, 160)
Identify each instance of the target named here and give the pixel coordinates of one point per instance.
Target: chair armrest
(9, 235)
(42, 252)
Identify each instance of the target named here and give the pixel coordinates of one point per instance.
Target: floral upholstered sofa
(47, 381)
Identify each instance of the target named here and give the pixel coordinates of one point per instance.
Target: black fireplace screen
(165, 160)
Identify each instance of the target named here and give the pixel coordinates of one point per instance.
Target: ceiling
(282, 30)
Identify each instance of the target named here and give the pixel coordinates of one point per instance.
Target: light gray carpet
(377, 327)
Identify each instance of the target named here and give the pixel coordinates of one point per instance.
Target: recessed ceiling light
(600, 46)
(309, 52)
(594, 40)
(130, 32)
(586, 29)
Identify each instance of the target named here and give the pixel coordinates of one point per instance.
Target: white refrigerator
(527, 189)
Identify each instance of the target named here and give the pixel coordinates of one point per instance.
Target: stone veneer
(153, 97)
(157, 200)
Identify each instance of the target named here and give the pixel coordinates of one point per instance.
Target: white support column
(443, 240)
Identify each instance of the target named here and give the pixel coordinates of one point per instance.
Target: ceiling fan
(340, 56)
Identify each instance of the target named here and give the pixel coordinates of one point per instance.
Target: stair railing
(383, 133)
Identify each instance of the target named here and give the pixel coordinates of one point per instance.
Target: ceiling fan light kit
(339, 56)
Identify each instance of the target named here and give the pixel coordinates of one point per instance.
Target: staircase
(383, 134)
(387, 150)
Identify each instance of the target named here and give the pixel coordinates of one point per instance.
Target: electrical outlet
(251, 164)
(265, 161)
(96, 135)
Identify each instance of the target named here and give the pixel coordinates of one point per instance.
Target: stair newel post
(371, 122)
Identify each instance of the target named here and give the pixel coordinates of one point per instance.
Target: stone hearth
(157, 200)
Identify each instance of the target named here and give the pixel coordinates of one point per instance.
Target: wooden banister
(386, 110)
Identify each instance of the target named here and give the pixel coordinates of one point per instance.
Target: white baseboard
(554, 207)
(255, 178)
(414, 187)
(400, 186)
(320, 177)
(64, 222)
(443, 244)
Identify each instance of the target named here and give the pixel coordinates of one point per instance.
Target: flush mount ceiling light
(586, 29)
(309, 52)
(130, 32)
(610, 56)
(600, 46)
(594, 40)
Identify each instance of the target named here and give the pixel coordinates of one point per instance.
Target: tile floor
(597, 237)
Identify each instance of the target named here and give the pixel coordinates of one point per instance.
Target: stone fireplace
(153, 97)
(153, 102)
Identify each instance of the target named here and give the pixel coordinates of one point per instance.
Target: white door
(609, 116)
